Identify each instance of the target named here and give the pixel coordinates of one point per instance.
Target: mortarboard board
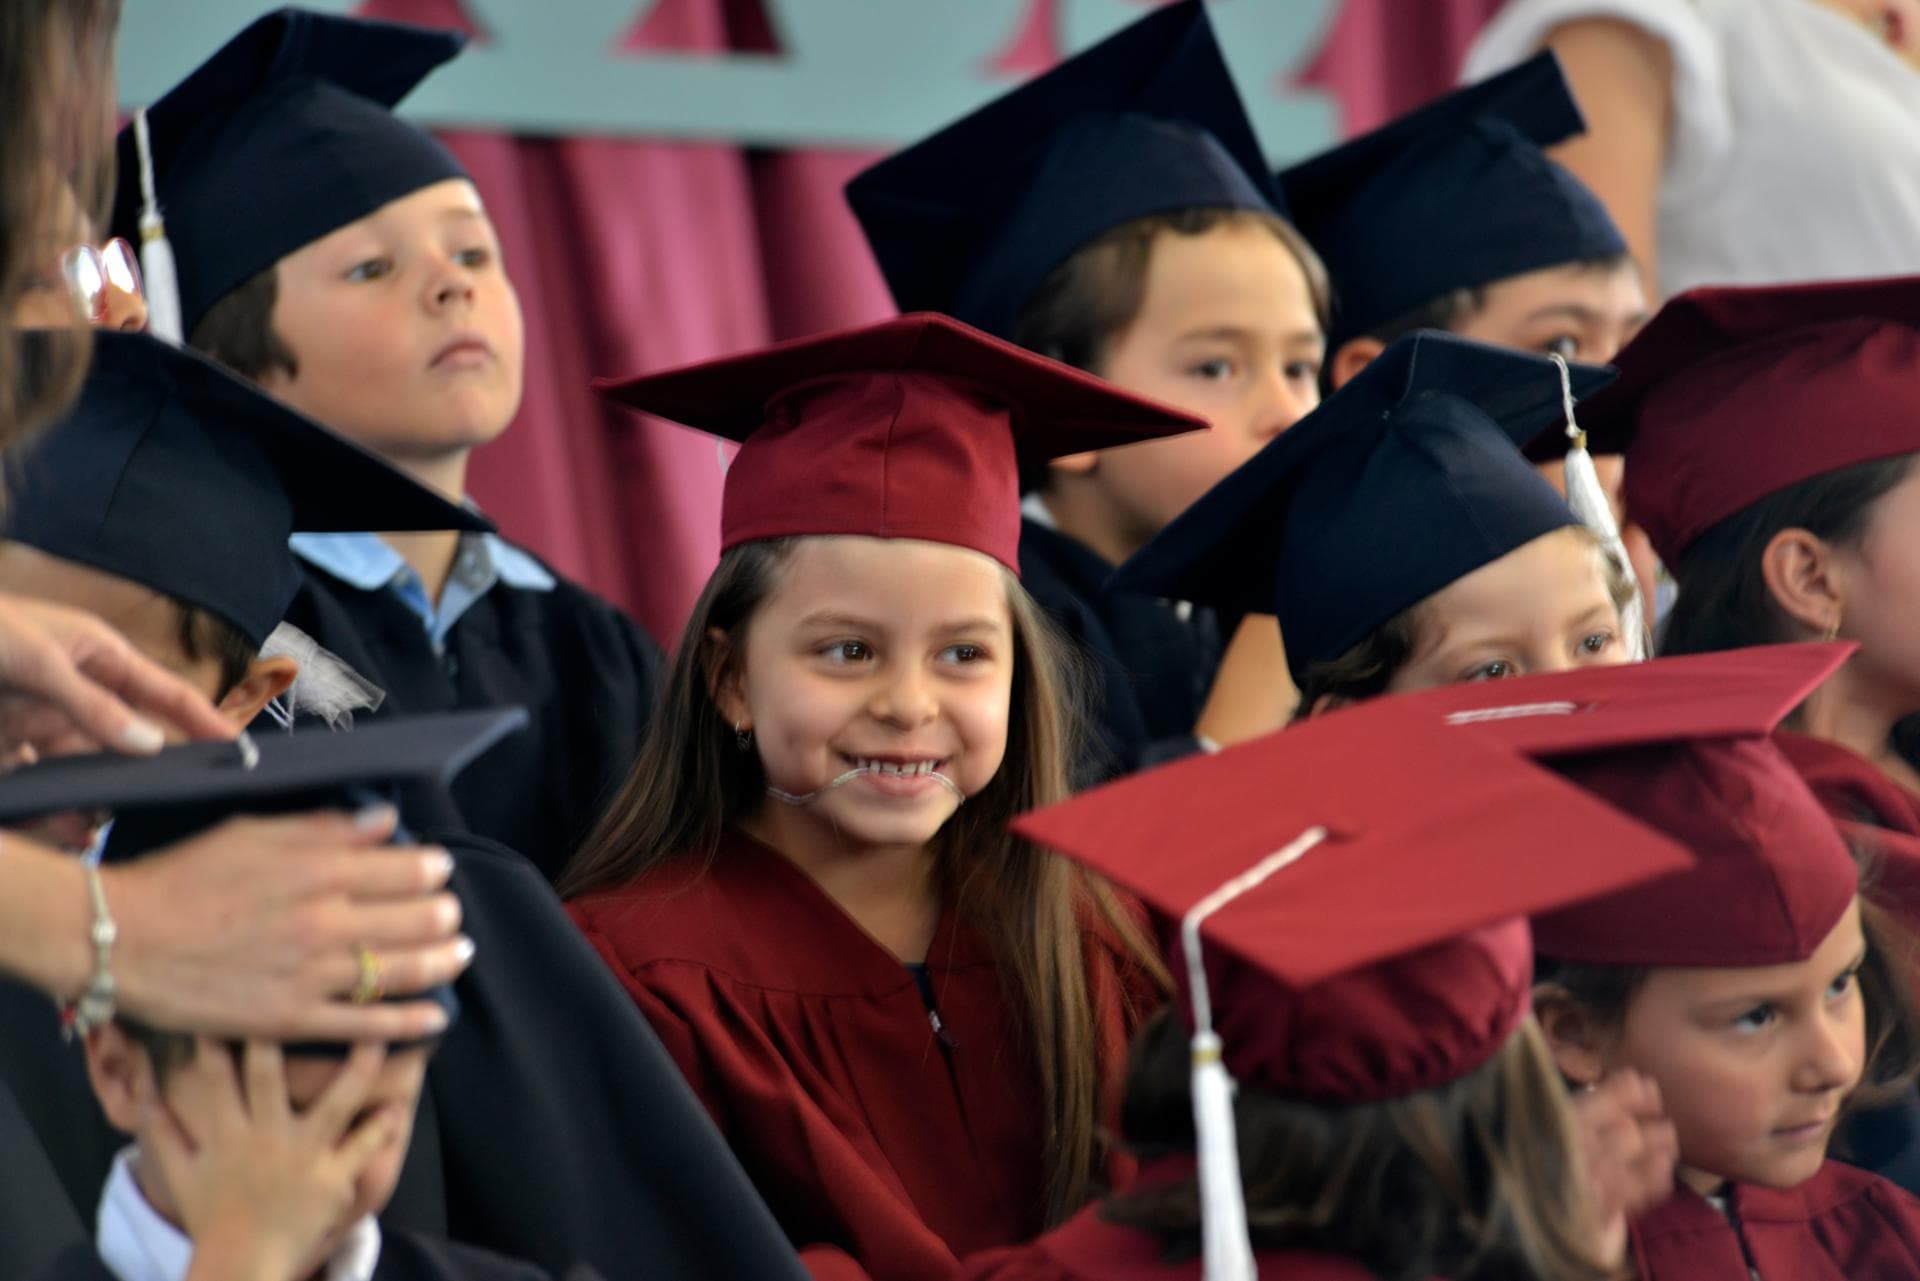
(160, 799)
(1454, 195)
(1359, 935)
(1452, 824)
(283, 135)
(1683, 745)
(971, 220)
(1731, 394)
(176, 474)
(1404, 480)
(916, 427)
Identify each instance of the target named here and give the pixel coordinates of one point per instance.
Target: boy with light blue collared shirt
(365, 287)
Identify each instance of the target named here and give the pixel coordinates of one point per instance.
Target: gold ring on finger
(372, 983)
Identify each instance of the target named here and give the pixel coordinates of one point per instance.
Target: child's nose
(1831, 1054)
(905, 697)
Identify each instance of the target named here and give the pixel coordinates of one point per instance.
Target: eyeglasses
(90, 273)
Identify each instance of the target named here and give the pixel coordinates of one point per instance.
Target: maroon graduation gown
(1850, 785)
(1842, 1224)
(868, 1130)
(1085, 1248)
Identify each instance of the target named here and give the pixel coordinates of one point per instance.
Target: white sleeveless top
(1794, 152)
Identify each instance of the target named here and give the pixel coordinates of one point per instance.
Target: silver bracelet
(96, 1003)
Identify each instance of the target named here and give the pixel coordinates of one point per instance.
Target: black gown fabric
(564, 1132)
(1154, 667)
(586, 673)
(404, 1256)
(37, 1221)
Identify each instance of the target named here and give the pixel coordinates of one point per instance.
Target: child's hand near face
(260, 1189)
(1629, 1149)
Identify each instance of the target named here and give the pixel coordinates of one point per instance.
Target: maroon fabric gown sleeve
(1085, 1249)
(812, 1047)
(1851, 786)
(1841, 1225)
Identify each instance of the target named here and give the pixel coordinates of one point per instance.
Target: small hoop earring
(742, 737)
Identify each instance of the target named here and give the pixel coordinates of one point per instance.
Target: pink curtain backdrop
(632, 255)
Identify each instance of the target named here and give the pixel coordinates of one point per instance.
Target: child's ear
(1354, 355)
(266, 680)
(1804, 578)
(121, 1075)
(1574, 1036)
(726, 679)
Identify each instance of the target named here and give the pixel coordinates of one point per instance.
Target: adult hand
(262, 1190)
(70, 683)
(250, 929)
(1628, 1151)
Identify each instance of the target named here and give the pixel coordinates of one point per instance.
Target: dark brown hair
(1368, 667)
(1096, 294)
(205, 635)
(56, 113)
(1036, 910)
(1473, 1180)
(1457, 306)
(1724, 601)
(238, 330)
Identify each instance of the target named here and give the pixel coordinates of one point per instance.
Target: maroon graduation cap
(916, 427)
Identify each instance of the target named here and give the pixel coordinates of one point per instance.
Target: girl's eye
(1566, 346)
(1212, 370)
(1497, 670)
(474, 258)
(963, 653)
(1842, 985)
(1754, 1020)
(1306, 371)
(848, 651)
(371, 269)
(1597, 643)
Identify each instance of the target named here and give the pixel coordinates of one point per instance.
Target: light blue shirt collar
(366, 561)
(137, 1244)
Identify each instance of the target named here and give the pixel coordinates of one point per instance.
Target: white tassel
(1589, 503)
(326, 686)
(1227, 1253)
(158, 272)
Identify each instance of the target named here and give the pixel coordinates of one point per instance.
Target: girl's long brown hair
(1036, 910)
(56, 113)
(1474, 1180)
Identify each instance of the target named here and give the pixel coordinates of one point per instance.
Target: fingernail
(436, 1021)
(373, 817)
(143, 736)
(442, 864)
(463, 948)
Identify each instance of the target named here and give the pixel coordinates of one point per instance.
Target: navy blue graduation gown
(586, 673)
(1155, 668)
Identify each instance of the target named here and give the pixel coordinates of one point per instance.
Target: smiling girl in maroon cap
(906, 1021)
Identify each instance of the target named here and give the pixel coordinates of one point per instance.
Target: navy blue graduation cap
(177, 475)
(972, 220)
(283, 135)
(1454, 195)
(161, 799)
(1406, 479)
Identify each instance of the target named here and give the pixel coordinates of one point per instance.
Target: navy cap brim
(432, 748)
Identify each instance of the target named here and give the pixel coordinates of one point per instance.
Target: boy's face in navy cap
(405, 331)
(1226, 330)
(193, 1094)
